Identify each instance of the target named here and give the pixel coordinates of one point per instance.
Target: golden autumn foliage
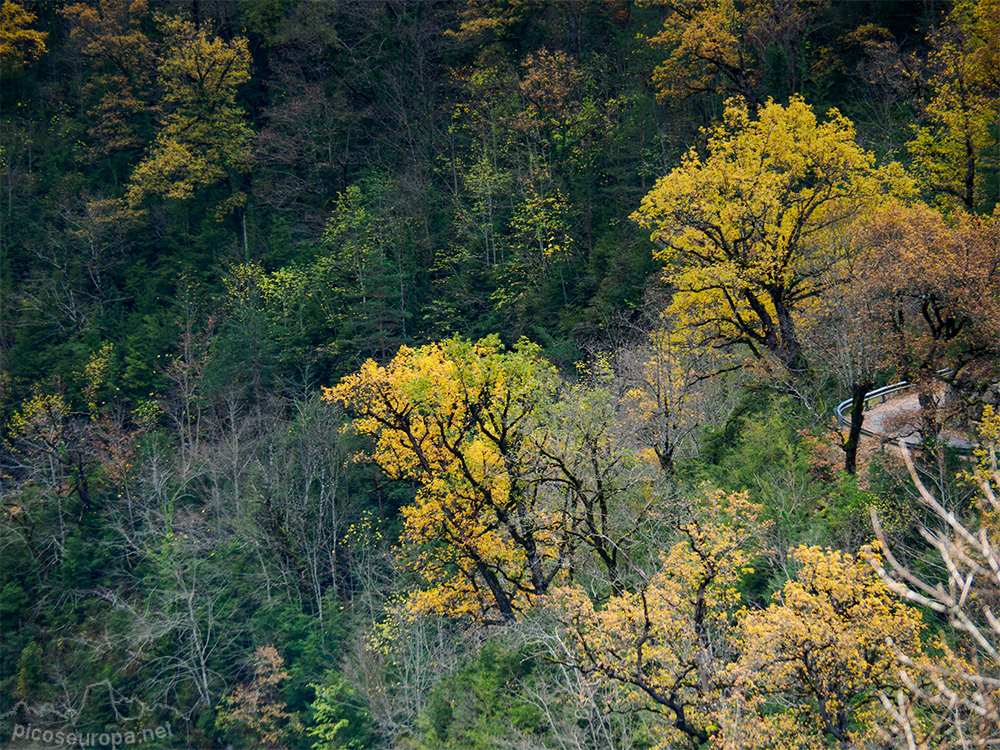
(826, 647)
(19, 44)
(489, 19)
(523, 481)
(722, 46)
(111, 36)
(454, 417)
(255, 707)
(937, 295)
(748, 232)
(671, 642)
(204, 136)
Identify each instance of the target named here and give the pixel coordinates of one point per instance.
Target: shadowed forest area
(461, 374)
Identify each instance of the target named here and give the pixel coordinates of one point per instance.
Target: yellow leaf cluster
(454, 418)
(204, 135)
(721, 46)
(40, 418)
(19, 44)
(96, 373)
(828, 643)
(671, 640)
(748, 232)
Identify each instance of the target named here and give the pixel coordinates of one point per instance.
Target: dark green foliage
(479, 706)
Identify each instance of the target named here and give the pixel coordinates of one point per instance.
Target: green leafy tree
(339, 717)
(365, 271)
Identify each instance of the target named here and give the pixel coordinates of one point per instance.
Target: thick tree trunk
(850, 446)
(789, 349)
(500, 596)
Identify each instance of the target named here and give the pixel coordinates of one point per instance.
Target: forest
(412, 374)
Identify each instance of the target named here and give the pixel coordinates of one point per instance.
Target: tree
(111, 36)
(727, 47)
(747, 232)
(366, 272)
(670, 392)
(937, 296)
(341, 720)
(540, 241)
(19, 44)
(848, 332)
(454, 417)
(823, 646)
(594, 472)
(203, 139)
(956, 153)
(50, 452)
(672, 640)
(255, 707)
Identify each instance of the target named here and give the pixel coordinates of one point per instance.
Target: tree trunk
(850, 445)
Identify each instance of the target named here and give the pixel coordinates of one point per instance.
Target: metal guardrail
(872, 395)
(881, 393)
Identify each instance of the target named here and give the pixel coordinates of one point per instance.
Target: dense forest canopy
(461, 373)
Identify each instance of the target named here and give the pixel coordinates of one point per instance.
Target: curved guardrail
(881, 393)
(872, 395)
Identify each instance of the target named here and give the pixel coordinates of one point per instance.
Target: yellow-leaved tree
(204, 137)
(672, 641)
(956, 150)
(749, 232)
(728, 47)
(524, 482)
(823, 651)
(111, 37)
(19, 44)
(455, 417)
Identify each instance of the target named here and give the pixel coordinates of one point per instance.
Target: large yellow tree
(826, 648)
(455, 417)
(749, 231)
(523, 481)
(671, 642)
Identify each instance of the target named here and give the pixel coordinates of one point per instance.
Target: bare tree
(952, 700)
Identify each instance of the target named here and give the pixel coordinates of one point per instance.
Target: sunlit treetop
(20, 45)
(749, 230)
